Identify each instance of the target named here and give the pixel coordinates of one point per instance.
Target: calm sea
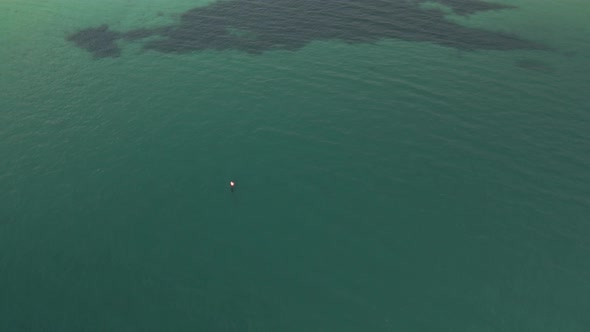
(400, 165)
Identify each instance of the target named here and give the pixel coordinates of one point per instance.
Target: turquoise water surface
(397, 169)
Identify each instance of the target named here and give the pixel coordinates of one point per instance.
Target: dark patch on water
(139, 34)
(463, 7)
(100, 41)
(256, 26)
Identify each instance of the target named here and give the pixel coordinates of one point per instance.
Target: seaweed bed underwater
(256, 26)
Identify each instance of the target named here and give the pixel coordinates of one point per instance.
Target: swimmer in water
(232, 185)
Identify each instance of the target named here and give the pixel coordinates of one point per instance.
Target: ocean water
(400, 165)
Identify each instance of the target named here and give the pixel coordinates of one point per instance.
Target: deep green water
(386, 186)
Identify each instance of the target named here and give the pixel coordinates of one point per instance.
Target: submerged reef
(256, 26)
